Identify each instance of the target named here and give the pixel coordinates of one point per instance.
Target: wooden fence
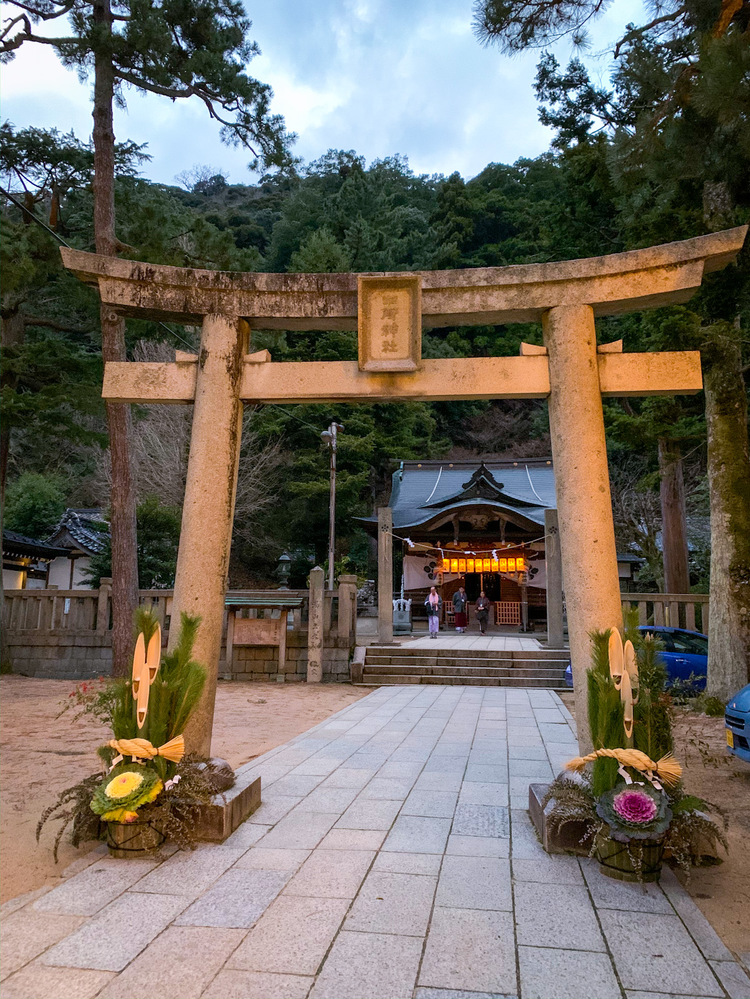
(68, 633)
(673, 610)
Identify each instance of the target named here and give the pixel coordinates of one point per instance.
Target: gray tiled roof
(422, 490)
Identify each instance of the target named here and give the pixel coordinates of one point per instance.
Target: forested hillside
(335, 214)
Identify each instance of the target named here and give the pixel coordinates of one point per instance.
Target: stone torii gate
(390, 311)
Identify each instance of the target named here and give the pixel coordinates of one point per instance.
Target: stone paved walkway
(468, 642)
(392, 857)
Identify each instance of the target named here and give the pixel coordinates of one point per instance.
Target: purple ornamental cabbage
(634, 811)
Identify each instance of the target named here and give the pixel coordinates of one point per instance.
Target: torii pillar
(208, 509)
(584, 501)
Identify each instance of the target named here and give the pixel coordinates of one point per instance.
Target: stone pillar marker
(554, 580)
(315, 626)
(102, 605)
(584, 504)
(347, 616)
(385, 575)
(208, 509)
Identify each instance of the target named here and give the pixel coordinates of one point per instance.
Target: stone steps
(386, 666)
(405, 652)
(478, 680)
(456, 669)
(466, 662)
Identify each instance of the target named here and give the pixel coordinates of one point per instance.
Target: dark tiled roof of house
(81, 529)
(20, 545)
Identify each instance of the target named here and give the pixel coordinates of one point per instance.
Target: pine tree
(197, 48)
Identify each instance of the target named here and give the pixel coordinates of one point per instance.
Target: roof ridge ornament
(484, 483)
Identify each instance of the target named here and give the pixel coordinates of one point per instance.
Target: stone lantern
(285, 567)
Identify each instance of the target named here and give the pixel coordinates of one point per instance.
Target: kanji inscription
(390, 323)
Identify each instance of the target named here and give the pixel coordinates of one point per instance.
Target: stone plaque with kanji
(390, 323)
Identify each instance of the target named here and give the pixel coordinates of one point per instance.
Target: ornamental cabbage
(634, 811)
(123, 791)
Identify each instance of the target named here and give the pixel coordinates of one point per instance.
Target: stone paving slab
(40, 982)
(94, 887)
(114, 937)
(558, 915)
(393, 903)
(481, 820)
(454, 994)
(475, 883)
(468, 948)
(369, 966)
(335, 889)
(26, 934)
(410, 831)
(654, 952)
(292, 937)
(733, 978)
(191, 873)
(331, 874)
(236, 900)
(257, 985)
(566, 974)
(181, 962)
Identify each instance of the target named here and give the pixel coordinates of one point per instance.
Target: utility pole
(330, 437)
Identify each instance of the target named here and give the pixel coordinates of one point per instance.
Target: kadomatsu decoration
(150, 791)
(631, 802)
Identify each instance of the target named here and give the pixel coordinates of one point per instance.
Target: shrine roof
(424, 490)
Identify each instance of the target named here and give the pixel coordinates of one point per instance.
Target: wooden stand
(255, 631)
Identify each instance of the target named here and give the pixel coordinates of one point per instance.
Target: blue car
(685, 656)
(737, 721)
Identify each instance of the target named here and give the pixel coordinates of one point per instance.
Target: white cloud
(377, 76)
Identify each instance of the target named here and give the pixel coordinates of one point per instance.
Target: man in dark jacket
(483, 607)
(460, 604)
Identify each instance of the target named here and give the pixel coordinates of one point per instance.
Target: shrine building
(480, 525)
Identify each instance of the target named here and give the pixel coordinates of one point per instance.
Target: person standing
(483, 606)
(460, 603)
(434, 604)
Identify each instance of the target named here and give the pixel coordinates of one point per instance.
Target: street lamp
(329, 437)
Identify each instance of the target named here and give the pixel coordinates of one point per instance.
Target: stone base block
(568, 838)
(229, 810)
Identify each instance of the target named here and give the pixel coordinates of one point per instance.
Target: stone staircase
(384, 665)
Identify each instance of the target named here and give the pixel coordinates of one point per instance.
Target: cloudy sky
(377, 76)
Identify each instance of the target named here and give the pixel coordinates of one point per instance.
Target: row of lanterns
(463, 565)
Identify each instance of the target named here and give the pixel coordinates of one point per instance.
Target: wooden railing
(54, 610)
(90, 611)
(673, 610)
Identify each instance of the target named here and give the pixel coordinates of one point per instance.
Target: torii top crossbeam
(619, 282)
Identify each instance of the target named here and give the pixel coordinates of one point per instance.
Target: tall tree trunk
(673, 518)
(122, 502)
(12, 334)
(729, 479)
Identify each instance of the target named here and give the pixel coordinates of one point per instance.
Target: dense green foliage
(158, 540)
(34, 504)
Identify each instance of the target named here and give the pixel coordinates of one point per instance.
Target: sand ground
(44, 752)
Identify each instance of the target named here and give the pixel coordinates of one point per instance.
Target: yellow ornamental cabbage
(123, 785)
(127, 788)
